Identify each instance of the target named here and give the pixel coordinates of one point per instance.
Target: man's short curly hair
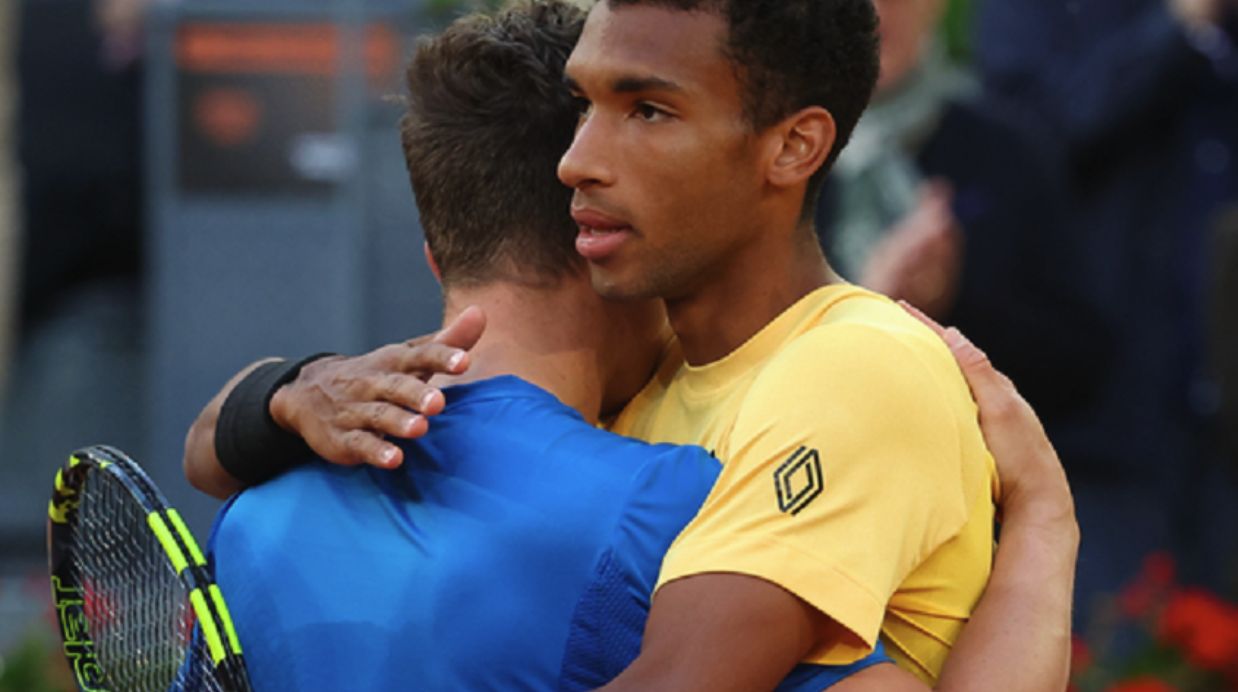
(487, 121)
(791, 54)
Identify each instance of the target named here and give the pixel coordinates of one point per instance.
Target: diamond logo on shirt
(799, 481)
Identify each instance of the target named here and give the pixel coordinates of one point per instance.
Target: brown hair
(488, 119)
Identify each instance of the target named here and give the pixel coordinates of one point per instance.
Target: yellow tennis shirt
(854, 472)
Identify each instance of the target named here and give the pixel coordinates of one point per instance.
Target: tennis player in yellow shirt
(855, 496)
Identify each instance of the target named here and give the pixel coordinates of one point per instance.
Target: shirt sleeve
(842, 472)
(809, 677)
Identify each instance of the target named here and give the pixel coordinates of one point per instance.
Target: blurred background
(186, 186)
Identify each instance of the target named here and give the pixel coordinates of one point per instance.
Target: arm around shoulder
(721, 632)
(201, 462)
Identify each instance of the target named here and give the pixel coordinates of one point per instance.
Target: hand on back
(345, 407)
(1031, 475)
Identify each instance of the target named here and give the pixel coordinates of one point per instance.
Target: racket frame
(214, 623)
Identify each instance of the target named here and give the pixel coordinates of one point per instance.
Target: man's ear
(804, 142)
(438, 275)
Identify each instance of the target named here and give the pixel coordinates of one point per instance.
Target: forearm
(1019, 636)
(201, 463)
(722, 632)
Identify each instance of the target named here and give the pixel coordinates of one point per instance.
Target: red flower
(1136, 599)
(1150, 587)
(1159, 569)
(1204, 627)
(1142, 685)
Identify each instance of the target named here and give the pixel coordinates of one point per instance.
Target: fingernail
(455, 361)
(387, 457)
(426, 399)
(954, 337)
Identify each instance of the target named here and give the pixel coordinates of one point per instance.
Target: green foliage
(957, 29)
(34, 665)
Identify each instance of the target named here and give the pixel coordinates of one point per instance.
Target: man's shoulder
(316, 483)
(595, 452)
(864, 336)
(865, 365)
(653, 474)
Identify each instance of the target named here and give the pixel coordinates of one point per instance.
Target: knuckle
(343, 417)
(432, 355)
(1008, 384)
(390, 353)
(355, 442)
(375, 416)
(417, 357)
(391, 385)
(1004, 409)
(332, 447)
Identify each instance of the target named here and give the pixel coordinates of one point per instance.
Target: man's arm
(721, 632)
(201, 463)
(1018, 638)
(343, 407)
(1019, 635)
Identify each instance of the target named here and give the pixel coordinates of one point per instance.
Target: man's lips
(601, 235)
(597, 221)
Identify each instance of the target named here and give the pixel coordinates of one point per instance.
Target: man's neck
(741, 298)
(546, 336)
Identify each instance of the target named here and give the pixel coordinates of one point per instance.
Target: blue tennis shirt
(516, 549)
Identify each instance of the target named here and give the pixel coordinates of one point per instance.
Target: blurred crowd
(8, 187)
(1068, 200)
(1063, 186)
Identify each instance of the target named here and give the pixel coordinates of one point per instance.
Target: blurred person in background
(8, 188)
(1143, 96)
(945, 200)
(79, 140)
(76, 369)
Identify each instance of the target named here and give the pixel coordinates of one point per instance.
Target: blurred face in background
(906, 28)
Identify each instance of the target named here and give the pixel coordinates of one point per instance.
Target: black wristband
(249, 444)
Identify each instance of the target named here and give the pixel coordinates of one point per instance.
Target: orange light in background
(229, 117)
(297, 48)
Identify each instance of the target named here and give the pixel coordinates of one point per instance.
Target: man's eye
(582, 105)
(649, 112)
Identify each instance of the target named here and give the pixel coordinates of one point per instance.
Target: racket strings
(140, 618)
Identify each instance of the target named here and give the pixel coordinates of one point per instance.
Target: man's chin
(611, 286)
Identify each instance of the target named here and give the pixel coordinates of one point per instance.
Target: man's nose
(586, 164)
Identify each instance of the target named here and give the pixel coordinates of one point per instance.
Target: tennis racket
(137, 606)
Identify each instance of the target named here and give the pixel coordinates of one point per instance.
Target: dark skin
(345, 407)
(704, 204)
(700, 636)
(663, 113)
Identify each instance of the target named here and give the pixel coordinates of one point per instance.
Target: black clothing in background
(1015, 296)
(1148, 117)
(79, 146)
